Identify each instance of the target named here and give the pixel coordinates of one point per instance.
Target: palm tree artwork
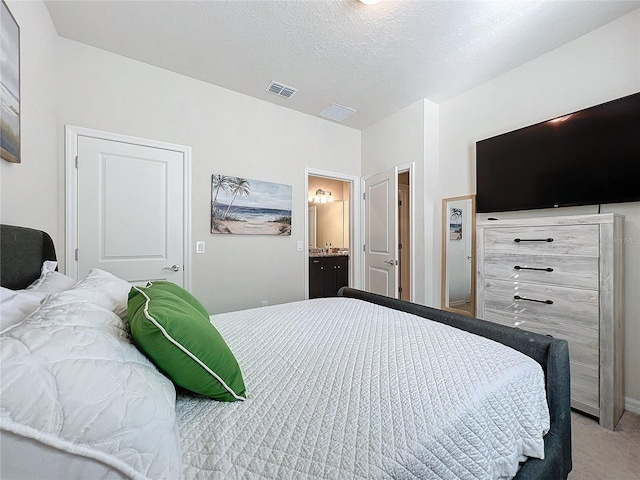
(219, 182)
(243, 206)
(455, 224)
(238, 186)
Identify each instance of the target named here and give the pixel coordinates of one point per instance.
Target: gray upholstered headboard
(22, 251)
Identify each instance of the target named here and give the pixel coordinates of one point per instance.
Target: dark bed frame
(22, 251)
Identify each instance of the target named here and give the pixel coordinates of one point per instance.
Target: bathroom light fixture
(321, 196)
(370, 2)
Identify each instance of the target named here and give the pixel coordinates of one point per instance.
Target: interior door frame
(405, 167)
(411, 169)
(71, 196)
(355, 276)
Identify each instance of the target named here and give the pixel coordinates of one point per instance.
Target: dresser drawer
(557, 239)
(568, 305)
(560, 270)
(583, 354)
(585, 393)
(583, 342)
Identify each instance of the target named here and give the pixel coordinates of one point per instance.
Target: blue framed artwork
(243, 206)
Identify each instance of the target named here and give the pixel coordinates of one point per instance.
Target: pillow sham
(181, 293)
(17, 305)
(50, 280)
(72, 381)
(104, 289)
(180, 339)
(6, 294)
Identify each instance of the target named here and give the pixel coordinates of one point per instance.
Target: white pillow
(73, 382)
(6, 294)
(17, 305)
(104, 289)
(51, 281)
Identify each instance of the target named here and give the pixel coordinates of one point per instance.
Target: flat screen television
(588, 157)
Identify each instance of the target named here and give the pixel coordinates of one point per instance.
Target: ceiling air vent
(337, 112)
(281, 90)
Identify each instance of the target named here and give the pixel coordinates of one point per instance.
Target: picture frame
(10, 131)
(250, 207)
(455, 224)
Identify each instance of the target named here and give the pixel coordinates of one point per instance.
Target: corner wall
(598, 67)
(411, 136)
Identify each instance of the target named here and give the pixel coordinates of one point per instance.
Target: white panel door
(381, 233)
(130, 210)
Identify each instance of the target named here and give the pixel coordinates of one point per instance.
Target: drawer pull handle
(518, 240)
(548, 269)
(518, 297)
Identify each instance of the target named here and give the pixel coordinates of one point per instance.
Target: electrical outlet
(200, 247)
(265, 303)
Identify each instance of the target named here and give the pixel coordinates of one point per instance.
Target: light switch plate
(299, 245)
(200, 247)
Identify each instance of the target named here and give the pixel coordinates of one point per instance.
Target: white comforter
(338, 388)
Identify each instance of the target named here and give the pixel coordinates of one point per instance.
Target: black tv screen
(588, 157)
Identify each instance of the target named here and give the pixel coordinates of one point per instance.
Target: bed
(359, 386)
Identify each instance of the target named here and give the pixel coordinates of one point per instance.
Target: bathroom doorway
(331, 233)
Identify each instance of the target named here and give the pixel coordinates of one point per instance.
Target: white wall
(29, 191)
(229, 133)
(600, 66)
(411, 136)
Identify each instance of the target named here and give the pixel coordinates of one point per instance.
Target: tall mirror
(458, 254)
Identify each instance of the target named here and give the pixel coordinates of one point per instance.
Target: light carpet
(600, 454)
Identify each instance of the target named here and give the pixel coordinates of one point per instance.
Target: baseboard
(632, 405)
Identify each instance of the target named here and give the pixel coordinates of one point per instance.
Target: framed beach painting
(455, 224)
(249, 207)
(9, 86)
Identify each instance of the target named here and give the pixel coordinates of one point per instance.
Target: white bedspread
(337, 388)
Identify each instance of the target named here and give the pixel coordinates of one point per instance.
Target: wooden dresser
(562, 276)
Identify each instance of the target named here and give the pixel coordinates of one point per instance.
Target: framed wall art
(455, 224)
(9, 86)
(249, 207)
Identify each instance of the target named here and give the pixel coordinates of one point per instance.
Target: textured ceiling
(375, 59)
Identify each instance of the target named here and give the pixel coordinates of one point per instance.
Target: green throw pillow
(179, 338)
(178, 291)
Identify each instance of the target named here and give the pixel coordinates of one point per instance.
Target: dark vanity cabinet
(327, 275)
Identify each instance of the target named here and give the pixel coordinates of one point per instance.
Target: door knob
(175, 268)
(390, 262)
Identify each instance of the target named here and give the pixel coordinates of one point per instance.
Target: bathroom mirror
(327, 225)
(458, 254)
